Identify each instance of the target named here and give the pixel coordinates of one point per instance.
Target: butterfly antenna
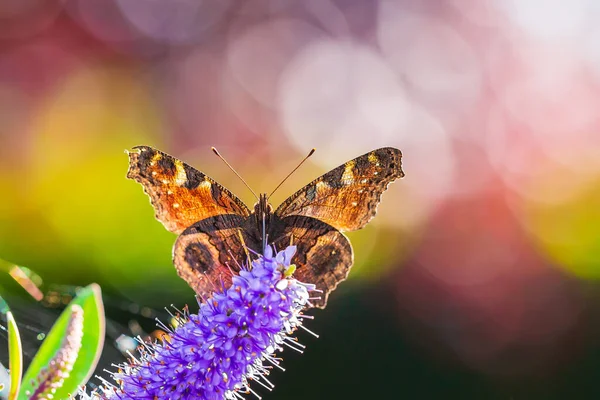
(290, 174)
(234, 171)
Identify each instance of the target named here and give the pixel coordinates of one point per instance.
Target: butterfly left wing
(347, 197)
(180, 194)
(207, 253)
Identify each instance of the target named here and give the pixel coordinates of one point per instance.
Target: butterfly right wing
(347, 196)
(180, 194)
(323, 256)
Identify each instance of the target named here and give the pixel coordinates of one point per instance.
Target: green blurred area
(68, 212)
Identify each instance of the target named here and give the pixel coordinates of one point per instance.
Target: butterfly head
(263, 209)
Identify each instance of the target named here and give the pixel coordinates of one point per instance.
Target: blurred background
(479, 277)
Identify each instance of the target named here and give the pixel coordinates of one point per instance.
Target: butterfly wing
(347, 197)
(344, 199)
(207, 217)
(323, 257)
(208, 252)
(180, 194)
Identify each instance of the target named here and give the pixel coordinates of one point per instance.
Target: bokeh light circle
(176, 21)
(334, 90)
(431, 56)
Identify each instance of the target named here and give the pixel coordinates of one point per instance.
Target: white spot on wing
(321, 184)
(348, 176)
(180, 175)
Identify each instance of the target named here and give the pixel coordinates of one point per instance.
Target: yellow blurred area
(567, 228)
(71, 205)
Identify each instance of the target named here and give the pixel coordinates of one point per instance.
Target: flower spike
(61, 365)
(216, 353)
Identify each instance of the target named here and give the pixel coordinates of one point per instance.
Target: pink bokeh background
(489, 246)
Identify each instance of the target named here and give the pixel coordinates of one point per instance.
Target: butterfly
(218, 232)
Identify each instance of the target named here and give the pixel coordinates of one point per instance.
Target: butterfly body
(218, 232)
(263, 213)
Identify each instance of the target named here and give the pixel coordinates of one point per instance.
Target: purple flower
(232, 339)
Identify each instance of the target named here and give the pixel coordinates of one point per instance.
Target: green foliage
(15, 353)
(90, 300)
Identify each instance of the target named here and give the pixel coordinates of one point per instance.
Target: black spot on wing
(194, 177)
(334, 177)
(198, 257)
(391, 161)
(361, 164)
(145, 156)
(167, 165)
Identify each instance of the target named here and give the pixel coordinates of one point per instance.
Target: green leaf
(15, 354)
(90, 300)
